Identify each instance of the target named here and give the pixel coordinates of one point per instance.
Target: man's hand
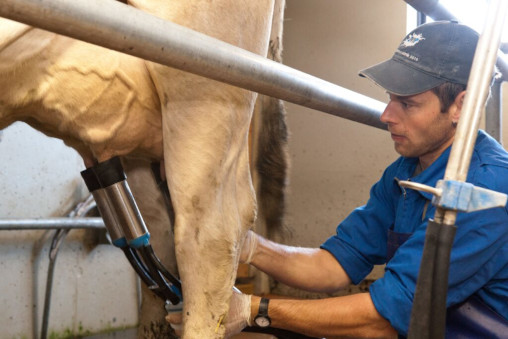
(236, 320)
(249, 246)
(175, 321)
(239, 314)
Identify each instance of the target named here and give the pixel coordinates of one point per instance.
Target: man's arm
(310, 269)
(348, 316)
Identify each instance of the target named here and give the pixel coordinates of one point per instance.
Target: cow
(105, 104)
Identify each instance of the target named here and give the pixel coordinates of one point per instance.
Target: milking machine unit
(108, 184)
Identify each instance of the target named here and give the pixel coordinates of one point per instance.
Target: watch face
(262, 321)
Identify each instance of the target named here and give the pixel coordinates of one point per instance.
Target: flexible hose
(428, 315)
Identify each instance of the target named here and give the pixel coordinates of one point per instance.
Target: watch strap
(263, 307)
(262, 319)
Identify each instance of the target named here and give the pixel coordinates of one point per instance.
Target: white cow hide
(105, 104)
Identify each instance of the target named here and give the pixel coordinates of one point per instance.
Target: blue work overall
(470, 319)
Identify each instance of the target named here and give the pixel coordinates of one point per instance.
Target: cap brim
(400, 79)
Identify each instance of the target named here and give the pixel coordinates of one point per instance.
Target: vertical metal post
(474, 101)
(421, 18)
(428, 317)
(494, 112)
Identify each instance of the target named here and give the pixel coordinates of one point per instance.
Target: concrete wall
(335, 161)
(94, 289)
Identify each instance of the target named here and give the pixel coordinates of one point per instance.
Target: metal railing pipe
(478, 89)
(51, 223)
(476, 96)
(432, 8)
(116, 26)
(429, 312)
(494, 112)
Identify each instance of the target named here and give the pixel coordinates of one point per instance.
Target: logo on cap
(412, 39)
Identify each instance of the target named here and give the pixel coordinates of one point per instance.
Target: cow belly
(100, 102)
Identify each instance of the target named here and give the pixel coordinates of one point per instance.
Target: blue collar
(487, 151)
(429, 176)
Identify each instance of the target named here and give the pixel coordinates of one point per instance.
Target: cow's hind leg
(206, 159)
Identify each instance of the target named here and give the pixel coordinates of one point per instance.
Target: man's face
(417, 126)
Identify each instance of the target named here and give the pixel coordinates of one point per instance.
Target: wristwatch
(262, 319)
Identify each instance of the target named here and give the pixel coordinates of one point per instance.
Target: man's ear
(456, 107)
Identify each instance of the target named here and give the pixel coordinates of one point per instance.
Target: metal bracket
(460, 196)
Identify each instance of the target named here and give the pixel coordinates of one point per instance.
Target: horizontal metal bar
(432, 9)
(113, 25)
(51, 223)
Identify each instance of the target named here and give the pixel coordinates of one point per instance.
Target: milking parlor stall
(64, 276)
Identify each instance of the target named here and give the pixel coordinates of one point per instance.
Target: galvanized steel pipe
(113, 25)
(432, 8)
(474, 101)
(494, 112)
(51, 223)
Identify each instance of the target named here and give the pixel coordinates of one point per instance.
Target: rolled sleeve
(354, 264)
(392, 301)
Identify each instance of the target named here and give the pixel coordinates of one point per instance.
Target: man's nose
(388, 116)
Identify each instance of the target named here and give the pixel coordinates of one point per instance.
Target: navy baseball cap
(430, 55)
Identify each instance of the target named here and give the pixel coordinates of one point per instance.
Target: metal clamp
(460, 196)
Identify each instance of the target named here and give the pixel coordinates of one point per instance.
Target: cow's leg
(206, 157)
(205, 127)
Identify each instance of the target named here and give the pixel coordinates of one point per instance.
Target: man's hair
(447, 92)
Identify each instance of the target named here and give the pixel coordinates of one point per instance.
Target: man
(426, 81)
